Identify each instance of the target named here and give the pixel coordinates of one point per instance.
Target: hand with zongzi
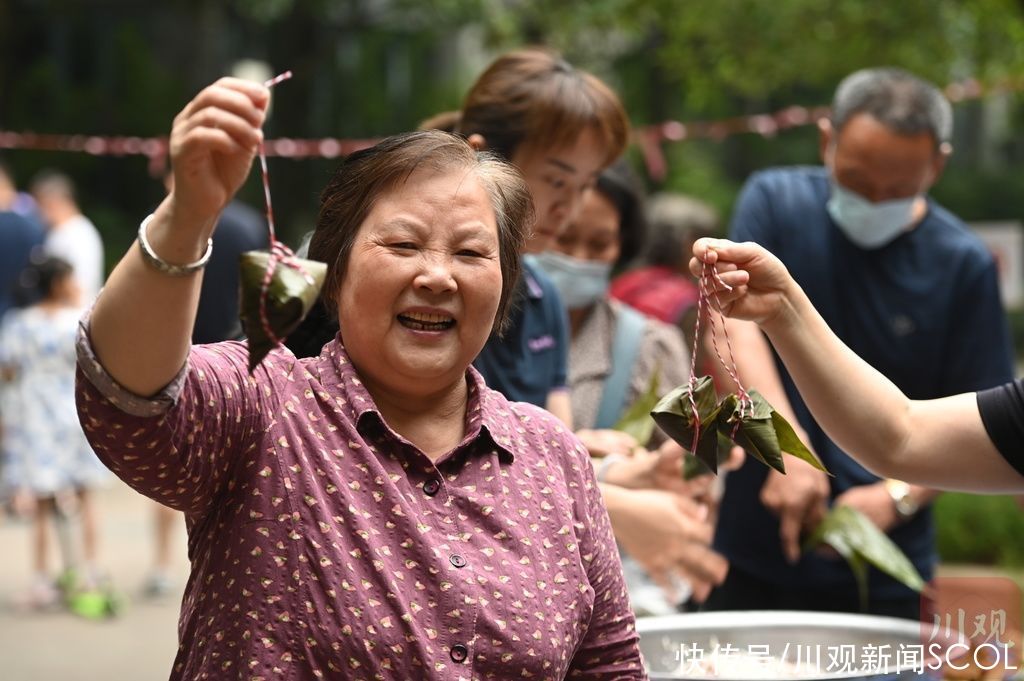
(141, 325)
(212, 146)
(760, 286)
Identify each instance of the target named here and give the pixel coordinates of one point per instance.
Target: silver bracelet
(161, 265)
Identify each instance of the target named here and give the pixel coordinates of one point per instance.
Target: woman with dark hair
(375, 511)
(560, 127)
(608, 232)
(615, 354)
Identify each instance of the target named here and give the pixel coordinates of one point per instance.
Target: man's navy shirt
(239, 229)
(532, 358)
(924, 310)
(18, 237)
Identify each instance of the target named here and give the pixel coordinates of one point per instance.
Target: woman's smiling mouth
(426, 321)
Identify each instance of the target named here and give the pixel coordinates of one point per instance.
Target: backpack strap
(629, 333)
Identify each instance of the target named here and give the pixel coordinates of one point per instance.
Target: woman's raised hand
(760, 284)
(213, 143)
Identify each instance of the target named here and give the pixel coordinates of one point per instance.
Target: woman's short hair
(534, 98)
(366, 175)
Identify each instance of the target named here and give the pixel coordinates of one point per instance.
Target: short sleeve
(178, 447)
(1002, 412)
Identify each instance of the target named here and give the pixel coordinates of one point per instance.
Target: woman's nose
(436, 274)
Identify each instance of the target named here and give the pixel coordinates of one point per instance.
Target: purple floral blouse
(326, 546)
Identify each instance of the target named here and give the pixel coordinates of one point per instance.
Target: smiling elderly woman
(375, 512)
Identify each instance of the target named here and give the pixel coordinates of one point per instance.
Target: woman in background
(616, 353)
(560, 126)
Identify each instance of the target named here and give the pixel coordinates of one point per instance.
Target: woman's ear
(477, 141)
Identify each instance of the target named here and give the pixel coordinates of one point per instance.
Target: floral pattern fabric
(326, 546)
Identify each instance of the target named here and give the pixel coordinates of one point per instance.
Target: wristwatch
(905, 504)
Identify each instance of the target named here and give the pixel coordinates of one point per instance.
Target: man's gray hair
(896, 98)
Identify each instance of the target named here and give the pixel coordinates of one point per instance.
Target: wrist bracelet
(607, 462)
(161, 265)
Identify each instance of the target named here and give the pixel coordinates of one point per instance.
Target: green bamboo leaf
(789, 442)
(674, 415)
(754, 431)
(860, 542)
(694, 467)
(636, 420)
(289, 299)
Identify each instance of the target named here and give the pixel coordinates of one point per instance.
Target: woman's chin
(427, 366)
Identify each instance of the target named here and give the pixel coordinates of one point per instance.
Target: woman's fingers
(233, 125)
(241, 97)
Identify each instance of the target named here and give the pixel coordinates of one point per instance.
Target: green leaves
(289, 299)
(759, 429)
(636, 420)
(861, 543)
(674, 415)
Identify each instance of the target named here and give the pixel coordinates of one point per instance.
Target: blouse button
(459, 653)
(431, 487)
(457, 560)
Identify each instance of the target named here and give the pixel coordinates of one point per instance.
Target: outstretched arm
(142, 323)
(940, 443)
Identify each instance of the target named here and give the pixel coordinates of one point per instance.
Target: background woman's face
(423, 283)
(594, 234)
(558, 180)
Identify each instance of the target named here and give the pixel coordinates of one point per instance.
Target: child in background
(47, 466)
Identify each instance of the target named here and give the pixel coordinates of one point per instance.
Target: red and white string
(279, 252)
(707, 286)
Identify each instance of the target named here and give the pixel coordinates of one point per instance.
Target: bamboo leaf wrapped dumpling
(674, 415)
(292, 291)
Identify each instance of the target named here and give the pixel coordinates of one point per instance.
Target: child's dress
(42, 447)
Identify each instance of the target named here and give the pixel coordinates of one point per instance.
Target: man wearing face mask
(906, 285)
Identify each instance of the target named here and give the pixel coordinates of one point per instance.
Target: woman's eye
(404, 245)
(469, 253)
(556, 182)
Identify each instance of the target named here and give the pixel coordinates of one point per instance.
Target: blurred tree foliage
(373, 67)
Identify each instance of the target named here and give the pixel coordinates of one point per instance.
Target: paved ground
(139, 645)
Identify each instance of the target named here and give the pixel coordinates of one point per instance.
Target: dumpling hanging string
(706, 289)
(279, 252)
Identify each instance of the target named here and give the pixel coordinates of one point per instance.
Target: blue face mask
(580, 283)
(869, 225)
